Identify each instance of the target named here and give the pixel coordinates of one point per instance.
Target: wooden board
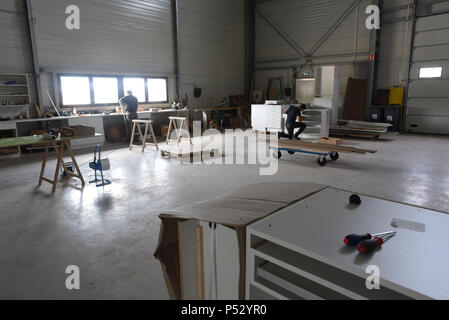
(323, 147)
(333, 141)
(372, 136)
(29, 140)
(179, 152)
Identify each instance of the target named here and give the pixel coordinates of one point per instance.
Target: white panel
(228, 266)
(15, 48)
(116, 36)
(433, 22)
(189, 265)
(428, 124)
(433, 37)
(433, 53)
(212, 49)
(429, 88)
(428, 106)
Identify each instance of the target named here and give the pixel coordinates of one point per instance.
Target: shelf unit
(298, 252)
(16, 95)
(272, 118)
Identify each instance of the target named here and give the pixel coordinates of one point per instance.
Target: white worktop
(86, 116)
(413, 263)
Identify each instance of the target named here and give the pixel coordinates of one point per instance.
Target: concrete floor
(111, 233)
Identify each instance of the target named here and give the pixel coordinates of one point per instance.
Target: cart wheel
(212, 154)
(277, 155)
(291, 152)
(335, 156)
(322, 162)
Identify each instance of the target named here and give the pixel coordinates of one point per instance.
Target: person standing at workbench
(293, 113)
(130, 105)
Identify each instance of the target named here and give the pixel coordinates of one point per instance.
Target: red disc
(346, 241)
(362, 248)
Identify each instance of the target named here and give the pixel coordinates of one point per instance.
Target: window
(137, 86)
(425, 73)
(75, 90)
(157, 90)
(105, 90)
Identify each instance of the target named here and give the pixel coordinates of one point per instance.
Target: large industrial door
(428, 96)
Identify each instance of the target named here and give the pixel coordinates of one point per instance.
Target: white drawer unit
(298, 252)
(272, 118)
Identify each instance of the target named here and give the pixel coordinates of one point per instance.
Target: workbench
(205, 114)
(299, 253)
(64, 143)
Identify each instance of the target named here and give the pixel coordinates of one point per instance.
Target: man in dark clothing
(130, 105)
(293, 113)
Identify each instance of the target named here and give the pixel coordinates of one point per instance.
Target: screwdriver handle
(353, 240)
(368, 246)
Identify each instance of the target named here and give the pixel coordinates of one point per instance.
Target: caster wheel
(277, 155)
(291, 152)
(322, 162)
(335, 156)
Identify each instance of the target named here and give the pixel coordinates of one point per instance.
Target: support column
(373, 67)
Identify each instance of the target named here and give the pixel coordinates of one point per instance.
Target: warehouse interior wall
(15, 48)
(133, 37)
(305, 23)
(212, 49)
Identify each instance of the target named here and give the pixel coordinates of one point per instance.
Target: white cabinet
(298, 252)
(89, 121)
(272, 118)
(265, 117)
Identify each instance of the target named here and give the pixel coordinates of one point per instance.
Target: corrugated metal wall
(306, 22)
(395, 43)
(212, 49)
(132, 36)
(15, 48)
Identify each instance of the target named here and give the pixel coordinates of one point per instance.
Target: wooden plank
(321, 147)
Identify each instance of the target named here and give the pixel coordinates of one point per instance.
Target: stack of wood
(361, 129)
(323, 147)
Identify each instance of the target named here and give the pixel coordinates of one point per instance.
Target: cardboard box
(334, 141)
(164, 130)
(78, 131)
(188, 232)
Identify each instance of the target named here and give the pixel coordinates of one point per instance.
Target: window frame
(91, 81)
(78, 76)
(146, 89)
(428, 67)
(120, 88)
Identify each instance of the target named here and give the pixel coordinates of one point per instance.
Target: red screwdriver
(354, 239)
(368, 246)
